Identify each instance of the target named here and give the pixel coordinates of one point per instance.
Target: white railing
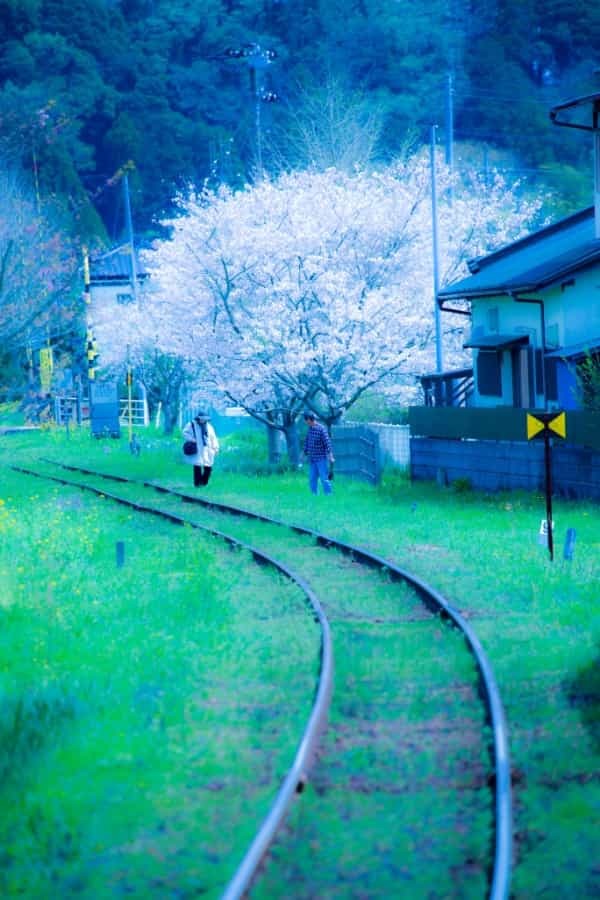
(139, 412)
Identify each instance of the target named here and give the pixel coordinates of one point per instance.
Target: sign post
(129, 403)
(546, 425)
(104, 409)
(46, 367)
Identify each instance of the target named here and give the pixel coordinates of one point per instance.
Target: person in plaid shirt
(319, 452)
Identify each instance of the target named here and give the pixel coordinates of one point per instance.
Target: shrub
(373, 407)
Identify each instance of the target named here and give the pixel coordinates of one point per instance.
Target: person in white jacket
(203, 434)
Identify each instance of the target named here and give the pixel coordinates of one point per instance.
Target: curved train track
(498, 775)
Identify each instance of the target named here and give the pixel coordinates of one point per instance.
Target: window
(550, 375)
(489, 376)
(539, 381)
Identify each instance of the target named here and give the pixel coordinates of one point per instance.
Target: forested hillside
(174, 91)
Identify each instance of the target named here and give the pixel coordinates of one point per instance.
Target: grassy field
(538, 621)
(127, 688)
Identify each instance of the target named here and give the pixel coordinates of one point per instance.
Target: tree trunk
(273, 444)
(292, 440)
(170, 396)
(171, 414)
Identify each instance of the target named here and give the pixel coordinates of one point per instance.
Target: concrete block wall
(506, 465)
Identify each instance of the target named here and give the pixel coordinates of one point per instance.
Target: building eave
(519, 286)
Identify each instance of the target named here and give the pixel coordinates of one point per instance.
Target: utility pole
(258, 133)
(91, 348)
(36, 178)
(134, 279)
(436, 266)
(450, 121)
(450, 132)
(258, 59)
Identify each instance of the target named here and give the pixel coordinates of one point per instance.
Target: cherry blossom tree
(310, 288)
(37, 265)
(142, 337)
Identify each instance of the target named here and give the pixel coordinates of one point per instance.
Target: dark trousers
(201, 475)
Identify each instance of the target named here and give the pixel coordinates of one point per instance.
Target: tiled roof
(115, 265)
(533, 262)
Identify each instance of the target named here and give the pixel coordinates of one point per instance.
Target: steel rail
(297, 775)
(500, 875)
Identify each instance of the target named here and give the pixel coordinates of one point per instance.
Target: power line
(514, 98)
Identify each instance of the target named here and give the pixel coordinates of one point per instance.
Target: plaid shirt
(316, 443)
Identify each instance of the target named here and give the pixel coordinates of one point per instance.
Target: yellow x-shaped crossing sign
(549, 423)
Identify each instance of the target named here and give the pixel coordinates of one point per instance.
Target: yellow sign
(46, 366)
(559, 425)
(534, 426)
(546, 422)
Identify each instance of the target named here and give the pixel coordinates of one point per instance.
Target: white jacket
(206, 452)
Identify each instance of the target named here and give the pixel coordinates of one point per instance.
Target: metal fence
(71, 409)
(357, 452)
(394, 441)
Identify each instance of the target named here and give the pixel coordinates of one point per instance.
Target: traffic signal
(91, 353)
(86, 276)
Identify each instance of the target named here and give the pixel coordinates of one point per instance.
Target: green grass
(11, 415)
(125, 689)
(538, 621)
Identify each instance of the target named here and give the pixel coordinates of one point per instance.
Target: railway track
(411, 793)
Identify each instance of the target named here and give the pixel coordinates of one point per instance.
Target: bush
(10, 414)
(588, 381)
(245, 451)
(377, 408)
(461, 485)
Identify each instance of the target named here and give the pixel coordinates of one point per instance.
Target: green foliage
(150, 81)
(584, 693)
(27, 723)
(587, 375)
(245, 452)
(462, 485)
(374, 407)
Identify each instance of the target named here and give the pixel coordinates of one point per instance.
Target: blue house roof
(115, 266)
(531, 263)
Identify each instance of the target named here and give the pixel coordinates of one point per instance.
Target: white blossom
(317, 284)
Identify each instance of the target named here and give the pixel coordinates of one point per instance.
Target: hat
(201, 414)
(309, 415)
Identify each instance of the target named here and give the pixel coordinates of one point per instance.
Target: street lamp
(578, 106)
